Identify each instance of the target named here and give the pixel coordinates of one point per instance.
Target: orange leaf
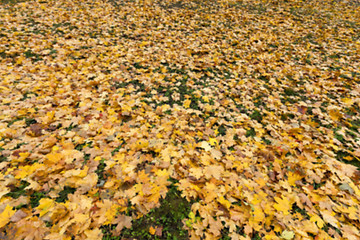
(152, 230)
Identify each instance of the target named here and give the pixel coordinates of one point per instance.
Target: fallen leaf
(287, 235)
(205, 145)
(152, 230)
(6, 215)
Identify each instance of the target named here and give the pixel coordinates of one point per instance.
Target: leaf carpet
(251, 109)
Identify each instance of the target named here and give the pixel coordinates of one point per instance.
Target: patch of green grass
(339, 137)
(283, 117)
(14, 120)
(168, 216)
(168, 112)
(256, 236)
(86, 159)
(80, 147)
(71, 127)
(318, 185)
(19, 145)
(34, 56)
(340, 156)
(3, 158)
(222, 130)
(20, 206)
(29, 121)
(63, 195)
(288, 99)
(100, 171)
(296, 209)
(256, 115)
(27, 94)
(331, 95)
(17, 191)
(266, 141)
(250, 132)
(135, 83)
(258, 100)
(139, 66)
(35, 198)
(351, 133)
(290, 92)
(355, 125)
(3, 53)
(225, 231)
(287, 116)
(11, 1)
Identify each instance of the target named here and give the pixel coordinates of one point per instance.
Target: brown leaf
(16, 153)
(158, 231)
(301, 109)
(357, 153)
(87, 118)
(18, 216)
(122, 221)
(272, 176)
(35, 130)
(123, 67)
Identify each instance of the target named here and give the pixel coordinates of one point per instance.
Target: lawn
(152, 119)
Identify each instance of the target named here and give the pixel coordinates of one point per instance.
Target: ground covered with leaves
(179, 119)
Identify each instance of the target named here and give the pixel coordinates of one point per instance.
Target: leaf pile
(252, 106)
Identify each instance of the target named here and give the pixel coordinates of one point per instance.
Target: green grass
(17, 191)
(250, 132)
(63, 195)
(340, 156)
(11, 1)
(168, 216)
(35, 198)
(256, 115)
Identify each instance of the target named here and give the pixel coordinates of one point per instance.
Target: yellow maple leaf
(258, 214)
(162, 173)
(111, 213)
(6, 215)
(141, 144)
(187, 103)
(353, 213)
(293, 177)
(23, 156)
(213, 141)
(53, 158)
(282, 205)
(46, 204)
(224, 202)
(24, 171)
